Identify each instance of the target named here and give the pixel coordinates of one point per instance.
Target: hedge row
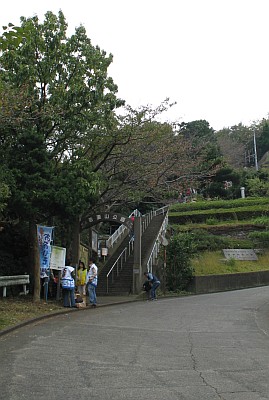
(234, 214)
(218, 204)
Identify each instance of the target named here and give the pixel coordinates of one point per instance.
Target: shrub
(262, 220)
(211, 221)
(179, 272)
(260, 238)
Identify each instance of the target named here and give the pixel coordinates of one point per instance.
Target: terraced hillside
(230, 224)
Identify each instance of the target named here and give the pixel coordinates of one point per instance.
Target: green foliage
(235, 214)
(179, 272)
(213, 263)
(217, 204)
(262, 220)
(230, 262)
(13, 250)
(4, 195)
(260, 238)
(217, 186)
(198, 130)
(65, 105)
(206, 241)
(211, 221)
(262, 140)
(257, 187)
(12, 36)
(221, 210)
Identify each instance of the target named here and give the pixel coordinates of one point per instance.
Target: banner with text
(44, 237)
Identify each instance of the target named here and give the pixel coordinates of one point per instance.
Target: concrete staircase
(122, 283)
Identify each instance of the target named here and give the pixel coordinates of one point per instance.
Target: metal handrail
(156, 247)
(146, 219)
(121, 230)
(116, 235)
(128, 248)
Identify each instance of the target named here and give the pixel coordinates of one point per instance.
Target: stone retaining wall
(221, 283)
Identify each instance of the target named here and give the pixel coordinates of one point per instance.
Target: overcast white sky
(209, 56)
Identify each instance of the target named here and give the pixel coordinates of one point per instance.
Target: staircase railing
(116, 236)
(118, 264)
(156, 247)
(145, 222)
(113, 239)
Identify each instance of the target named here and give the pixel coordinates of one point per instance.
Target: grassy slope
(213, 263)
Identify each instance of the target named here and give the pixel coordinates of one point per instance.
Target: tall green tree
(67, 100)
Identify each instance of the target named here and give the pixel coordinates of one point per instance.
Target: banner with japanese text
(44, 237)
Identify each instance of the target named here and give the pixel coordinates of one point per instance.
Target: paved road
(206, 347)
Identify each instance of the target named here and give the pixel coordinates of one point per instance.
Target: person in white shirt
(92, 280)
(68, 286)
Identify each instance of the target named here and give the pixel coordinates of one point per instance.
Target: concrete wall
(221, 283)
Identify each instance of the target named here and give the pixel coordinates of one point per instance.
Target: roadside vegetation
(15, 310)
(214, 263)
(220, 228)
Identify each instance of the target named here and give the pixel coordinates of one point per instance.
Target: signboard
(94, 241)
(57, 260)
(104, 251)
(112, 217)
(240, 254)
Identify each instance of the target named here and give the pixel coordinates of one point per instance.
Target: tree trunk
(74, 248)
(35, 267)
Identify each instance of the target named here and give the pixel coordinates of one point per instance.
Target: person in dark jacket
(147, 288)
(155, 283)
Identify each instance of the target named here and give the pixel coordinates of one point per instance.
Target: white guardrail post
(13, 281)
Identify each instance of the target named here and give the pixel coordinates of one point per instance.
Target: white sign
(94, 240)
(57, 259)
(240, 254)
(104, 251)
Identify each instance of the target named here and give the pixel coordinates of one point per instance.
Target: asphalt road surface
(205, 347)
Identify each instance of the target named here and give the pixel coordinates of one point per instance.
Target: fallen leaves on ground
(14, 310)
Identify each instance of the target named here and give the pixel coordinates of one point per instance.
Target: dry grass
(14, 310)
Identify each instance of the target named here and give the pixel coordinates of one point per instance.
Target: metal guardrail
(12, 281)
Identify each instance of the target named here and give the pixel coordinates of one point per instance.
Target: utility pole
(255, 151)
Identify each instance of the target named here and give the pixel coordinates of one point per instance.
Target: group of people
(86, 280)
